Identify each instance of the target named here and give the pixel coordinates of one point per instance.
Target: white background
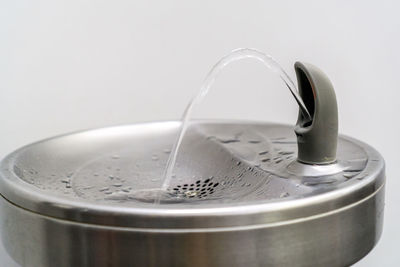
(69, 65)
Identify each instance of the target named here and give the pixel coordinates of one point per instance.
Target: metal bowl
(238, 197)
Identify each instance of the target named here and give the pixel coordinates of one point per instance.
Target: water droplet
(285, 194)
(238, 163)
(356, 165)
(104, 189)
(115, 157)
(154, 157)
(254, 141)
(266, 160)
(167, 151)
(228, 141)
(263, 152)
(349, 175)
(284, 153)
(117, 185)
(88, 187)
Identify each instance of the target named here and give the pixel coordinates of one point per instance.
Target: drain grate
(199, 189)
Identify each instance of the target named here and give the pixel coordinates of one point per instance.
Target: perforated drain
(199, 189)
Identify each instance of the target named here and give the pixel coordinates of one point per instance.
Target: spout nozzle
(316, 137)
